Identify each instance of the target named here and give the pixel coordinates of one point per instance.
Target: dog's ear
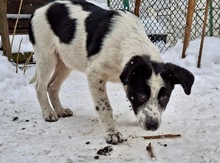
(178, 75)
(138, 65)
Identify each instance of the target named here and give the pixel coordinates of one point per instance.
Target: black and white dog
(108, 45)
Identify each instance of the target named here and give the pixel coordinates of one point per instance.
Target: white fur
(55, 61)
(151, 108)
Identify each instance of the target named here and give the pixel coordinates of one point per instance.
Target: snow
(21, 39)
(153, 27)
(21, 16)
(25, 137)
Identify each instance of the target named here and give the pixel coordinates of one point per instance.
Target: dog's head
(149, 86)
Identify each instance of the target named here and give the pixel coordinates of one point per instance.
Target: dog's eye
(142, 96)
(163, 98)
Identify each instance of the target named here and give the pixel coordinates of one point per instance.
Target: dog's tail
(34, 78)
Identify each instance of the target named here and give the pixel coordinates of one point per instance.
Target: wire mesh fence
(213, 22)
(165, 20)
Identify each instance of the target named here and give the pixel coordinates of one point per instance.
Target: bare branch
(16, 23)
(19, 48)
(162, 136)
(27, 62)
(150, 151)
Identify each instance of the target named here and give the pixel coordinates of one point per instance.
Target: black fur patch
(30, 32)
(165, 93)
(178, 75)
(135, 75)
(97, 108)
(62, 25)
(138, 65)
(98, 25)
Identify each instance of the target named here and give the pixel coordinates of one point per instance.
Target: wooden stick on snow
(150, 151)
(162, 136)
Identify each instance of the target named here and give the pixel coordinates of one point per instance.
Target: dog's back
(78, 30)
(62, 27)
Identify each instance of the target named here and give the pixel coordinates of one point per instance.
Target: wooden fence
(9, 10)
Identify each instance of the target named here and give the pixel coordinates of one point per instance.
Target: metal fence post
(126, 5)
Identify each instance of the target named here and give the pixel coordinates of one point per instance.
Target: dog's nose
(152, 125)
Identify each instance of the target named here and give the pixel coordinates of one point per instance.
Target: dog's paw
(65, 113)
(114, 138)
(50, 116)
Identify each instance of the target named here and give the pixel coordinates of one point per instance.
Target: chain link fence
(165, 20)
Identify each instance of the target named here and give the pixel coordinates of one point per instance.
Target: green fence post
(126, 4)
(108, 3)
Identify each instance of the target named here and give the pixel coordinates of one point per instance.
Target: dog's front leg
(103, 108)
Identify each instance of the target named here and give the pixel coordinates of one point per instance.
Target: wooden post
(190, 11)
(4, 29)
(137, 7)
(203, 33)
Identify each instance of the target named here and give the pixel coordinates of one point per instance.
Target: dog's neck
(137, 43)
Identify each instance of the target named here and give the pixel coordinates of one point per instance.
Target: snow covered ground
(25, 137)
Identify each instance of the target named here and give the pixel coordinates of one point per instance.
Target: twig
(150, 151)
(18, 55)
(27, 62)
(162, 136)
(16, 23)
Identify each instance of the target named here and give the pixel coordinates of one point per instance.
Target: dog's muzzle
(149, 124)
(149, 120)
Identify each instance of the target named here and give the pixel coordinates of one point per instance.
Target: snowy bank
(25, 137)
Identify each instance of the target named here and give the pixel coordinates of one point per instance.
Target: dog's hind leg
(97, 84)
(60, 74)
(45, 67)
